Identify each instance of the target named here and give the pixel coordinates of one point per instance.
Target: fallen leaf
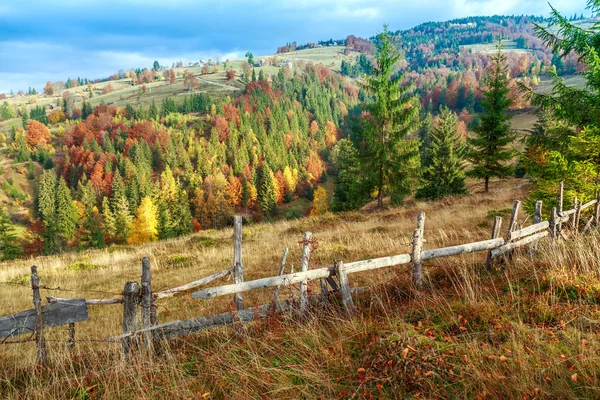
(574, 378)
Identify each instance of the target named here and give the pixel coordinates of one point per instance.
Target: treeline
(126, 175)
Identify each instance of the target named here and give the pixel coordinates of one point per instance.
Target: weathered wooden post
(303, 268)
(238, 267)
(147, 304)
(513, 219)
(42, 355)
(417, 247)
(324, 291)
(575, 202)
(597, 211)
(496, 230)
(131, 294)
(537, 215)
(71, 336)
(537, 218)
(577, 218)
(340, 272)
(553, 224)
(560, 201)
(281, 269)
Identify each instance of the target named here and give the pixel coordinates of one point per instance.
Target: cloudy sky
(43, 40)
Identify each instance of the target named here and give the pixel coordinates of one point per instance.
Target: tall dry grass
(527, 329)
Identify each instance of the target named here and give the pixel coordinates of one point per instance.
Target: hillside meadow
(527, 329)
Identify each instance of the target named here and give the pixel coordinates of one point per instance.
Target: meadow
(527, 329)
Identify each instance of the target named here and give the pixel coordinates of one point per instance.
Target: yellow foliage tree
(319, 202)
(144, 227)
(291, 178)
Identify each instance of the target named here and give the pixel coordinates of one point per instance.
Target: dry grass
(525, 330)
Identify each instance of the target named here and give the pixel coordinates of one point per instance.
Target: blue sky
(43, 40)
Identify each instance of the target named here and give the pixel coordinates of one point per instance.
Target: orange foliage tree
(37, 134)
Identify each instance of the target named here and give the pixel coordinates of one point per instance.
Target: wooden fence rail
(143, 327)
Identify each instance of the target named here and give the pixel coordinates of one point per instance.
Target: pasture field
(509, 332)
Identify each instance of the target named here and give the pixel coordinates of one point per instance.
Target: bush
(82, 266)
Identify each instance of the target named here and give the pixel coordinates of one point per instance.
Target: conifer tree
(144, 227)
(153, 112)
(9, 244)
(489, 151)
(348, 193)
(444, 167)
(122, 220)
(66, 212)
(393, 113)
(45, 209)
(108, 220)
(268, 191)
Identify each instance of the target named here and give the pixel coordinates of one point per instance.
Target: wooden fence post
(513, 218)
(303, 268)
(281, 270)
(42, 355)
(131, 295)
(238, 267)
(560, 201)
(575, 202)
(340, 272)
(597, 211)
(553, 224)
(324, 291)
(577, 218)
(147, 303)
(537, 216)
(71, 336)
(496, 230)
(417, 247)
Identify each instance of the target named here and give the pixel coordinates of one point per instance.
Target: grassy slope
(509, 333)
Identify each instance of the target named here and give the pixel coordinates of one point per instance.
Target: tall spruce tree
(10, 247)
(66, 212)
(569, 150)
(45, 209)
(268, 191)
(393, 113)
(444, 167)
(489, 148)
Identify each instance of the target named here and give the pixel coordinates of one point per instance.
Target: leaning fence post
(340, 272)
(561, 191)
(42, 356)
(577, 218)
(553, 223)
(238, 267)
(513, 218)
(146, 303)
(417, 247)
(537, 218)
(131, 294)
(575, 202)
(304, 268)
(597, 211)
(281, 269)
(496, 230)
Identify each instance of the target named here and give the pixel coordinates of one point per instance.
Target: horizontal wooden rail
(462, 249)
(511, 246)
(567, 213)
(357, 266)
(52, 300)
(588, 204)
(530, 230)
(297, 277)
(181, 328)
(171, 292)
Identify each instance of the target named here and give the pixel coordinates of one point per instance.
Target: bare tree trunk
(487, 185)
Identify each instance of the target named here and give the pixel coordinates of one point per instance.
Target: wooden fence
(143, 327)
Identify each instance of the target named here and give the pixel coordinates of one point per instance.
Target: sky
(43, 40)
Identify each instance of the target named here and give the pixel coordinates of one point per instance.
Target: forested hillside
(301, 140)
